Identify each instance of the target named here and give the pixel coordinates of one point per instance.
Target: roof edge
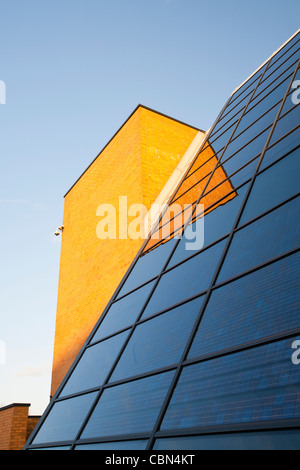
(267, 60)
(110, 140)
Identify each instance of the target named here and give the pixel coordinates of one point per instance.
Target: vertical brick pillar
(15, 426)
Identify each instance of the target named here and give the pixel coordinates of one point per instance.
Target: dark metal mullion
(238, 228)
(198, 320)
(256, 268)
(202, 148)
(213, 282)
(198, 168)
(232, 174)
(96, 401)
(282, 157)
(212, 173)
(257, 96)
(239, 102)
(114, 438)
(290, 423)
(218, 161)
(272, 83)
(214, 203)
(268, 94)
(203, 307)
(272, 65)
(254, 122)
(243, 347)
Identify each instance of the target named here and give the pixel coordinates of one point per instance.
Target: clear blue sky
(74, 71)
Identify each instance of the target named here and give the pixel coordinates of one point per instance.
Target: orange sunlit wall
(136, 163)
(204, 175)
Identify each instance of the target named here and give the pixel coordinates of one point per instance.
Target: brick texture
(15, 426)
(136, 163)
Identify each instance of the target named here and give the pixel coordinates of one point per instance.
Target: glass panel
(241, 141)
(293, 98)
(289, 64)
(244, 92)
(288, 439)
(233, 181)
(242, 175)
(273, 186)
(264, 239)
(256, 306)
(237, 107)
(220, 128)
(94, 365)
(123, 312)
(188, 279)
(289, 104)
(286, 124)
(222, 140)
(158, 342)
(255, 385)
(53, 448)
(217, 223)
(284, 146)
(147, 267)
(120, 445)
(273, 81)
(246, 154)
(246, 88)
(129, 408)
(284, 53)
(268, 102)
(64, 419)
(264, 122)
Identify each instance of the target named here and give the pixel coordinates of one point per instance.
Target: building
(16, 425)
(197, 347)
(135, 164)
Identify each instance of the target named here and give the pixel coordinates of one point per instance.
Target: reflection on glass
(255, 385)
(147, 267)
(186, 280)
(281, 148)
(273, 186)
(123, 312)
(132, 407)
(286, 123)
(285, 439)
(291, 47)
(245, 154)
(266, 103)
(118, 445)
(262, 123)
(158, 342)
(218, 221)
(263, 239)
(94, 365)
(273, 80)
(65, 419)
(256, 306)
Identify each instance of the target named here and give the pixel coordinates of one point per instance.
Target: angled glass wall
(196, 348)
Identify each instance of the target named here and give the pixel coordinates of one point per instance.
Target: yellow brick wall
(136, 163)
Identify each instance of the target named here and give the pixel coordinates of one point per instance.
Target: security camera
(58, 230)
